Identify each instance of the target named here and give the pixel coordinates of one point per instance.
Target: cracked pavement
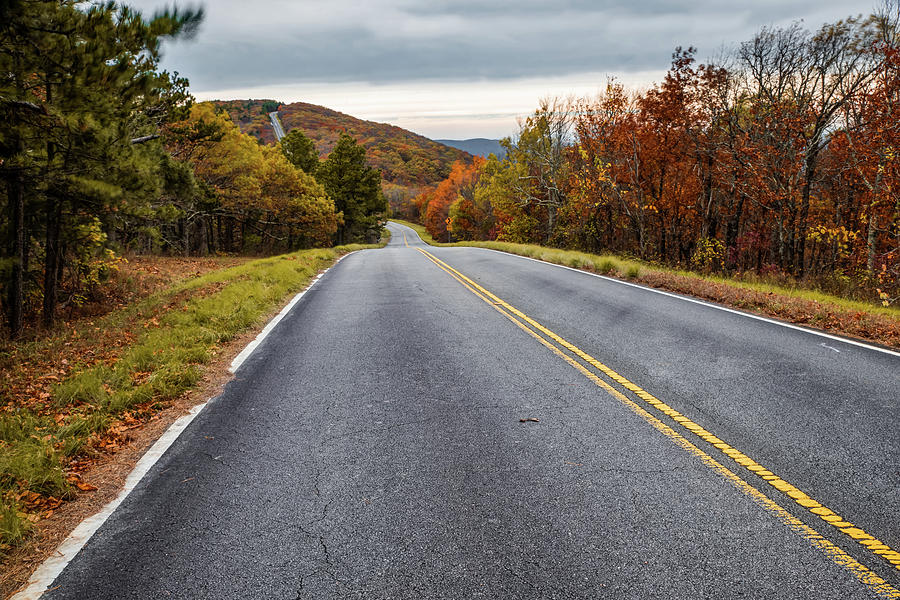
(371, 447)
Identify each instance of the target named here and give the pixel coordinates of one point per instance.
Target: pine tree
(355, 189)
(80, 103)
(301, 151)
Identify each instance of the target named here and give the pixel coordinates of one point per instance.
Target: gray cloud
(244, 44)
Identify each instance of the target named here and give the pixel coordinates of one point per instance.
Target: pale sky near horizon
(457, 68)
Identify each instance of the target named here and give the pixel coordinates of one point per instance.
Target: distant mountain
(406, 160)
(477, 146)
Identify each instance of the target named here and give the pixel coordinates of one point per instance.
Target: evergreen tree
(80, 105)
(355, 189)
(300, 151)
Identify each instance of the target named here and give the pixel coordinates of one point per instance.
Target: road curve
(427, 423)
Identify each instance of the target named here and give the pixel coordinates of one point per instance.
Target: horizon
(457, 70)
(362, 103)
(379, 103)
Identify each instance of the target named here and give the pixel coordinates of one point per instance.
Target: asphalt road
(373, 447)
(276, 125)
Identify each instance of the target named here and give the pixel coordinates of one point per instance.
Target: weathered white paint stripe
(53, 566)
(50, 569)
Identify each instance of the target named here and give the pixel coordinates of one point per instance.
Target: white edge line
(704, 303)
(50, 569)
(248, 350)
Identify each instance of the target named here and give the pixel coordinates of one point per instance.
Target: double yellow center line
(571, 354)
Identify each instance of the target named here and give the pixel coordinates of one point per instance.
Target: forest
(102, 154)
(776, 160)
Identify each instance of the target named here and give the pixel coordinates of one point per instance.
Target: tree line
(778, 158)
(102, 153)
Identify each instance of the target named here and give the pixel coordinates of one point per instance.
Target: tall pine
(81, 101)
(355, 189)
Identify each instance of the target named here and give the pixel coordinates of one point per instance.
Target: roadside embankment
(107, 378)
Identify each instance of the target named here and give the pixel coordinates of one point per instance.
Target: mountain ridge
(476, 146)
(407, 161)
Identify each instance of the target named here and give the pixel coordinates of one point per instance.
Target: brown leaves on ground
(881, 329)
(32, 366)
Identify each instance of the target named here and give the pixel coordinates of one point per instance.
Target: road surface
(433, 423)
(276, 125)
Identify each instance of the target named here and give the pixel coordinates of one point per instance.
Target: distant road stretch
(461, 423)
(276, 125)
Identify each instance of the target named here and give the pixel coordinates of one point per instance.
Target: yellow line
(865, 575)
(404, 239)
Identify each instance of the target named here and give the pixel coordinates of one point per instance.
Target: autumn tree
(866, 148)
(608, 201)
(458, 187)
(538, 156)
(798, 82)
(255, 199)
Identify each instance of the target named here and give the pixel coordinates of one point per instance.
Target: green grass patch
(198, 315)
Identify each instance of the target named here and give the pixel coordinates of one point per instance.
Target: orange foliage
(460, 184)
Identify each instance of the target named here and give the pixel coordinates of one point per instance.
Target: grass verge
(47, 438)
(795, 304)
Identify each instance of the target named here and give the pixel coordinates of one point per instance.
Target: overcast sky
(460, 68)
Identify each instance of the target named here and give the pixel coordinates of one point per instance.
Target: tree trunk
(186, 237)
(551, 221)
(871, 243)
(53, 260)
(610, 228)
(731, 231)
(51, 249)
(782, 252)
(803, 225)
(206, 236)
(16, 194)
(662, 247)
(229, 234)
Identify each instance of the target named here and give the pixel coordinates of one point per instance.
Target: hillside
(477, 146)
(252, 116)
(406, 160)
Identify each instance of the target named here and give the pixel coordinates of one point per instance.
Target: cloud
(455, 68)
(244, 44)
